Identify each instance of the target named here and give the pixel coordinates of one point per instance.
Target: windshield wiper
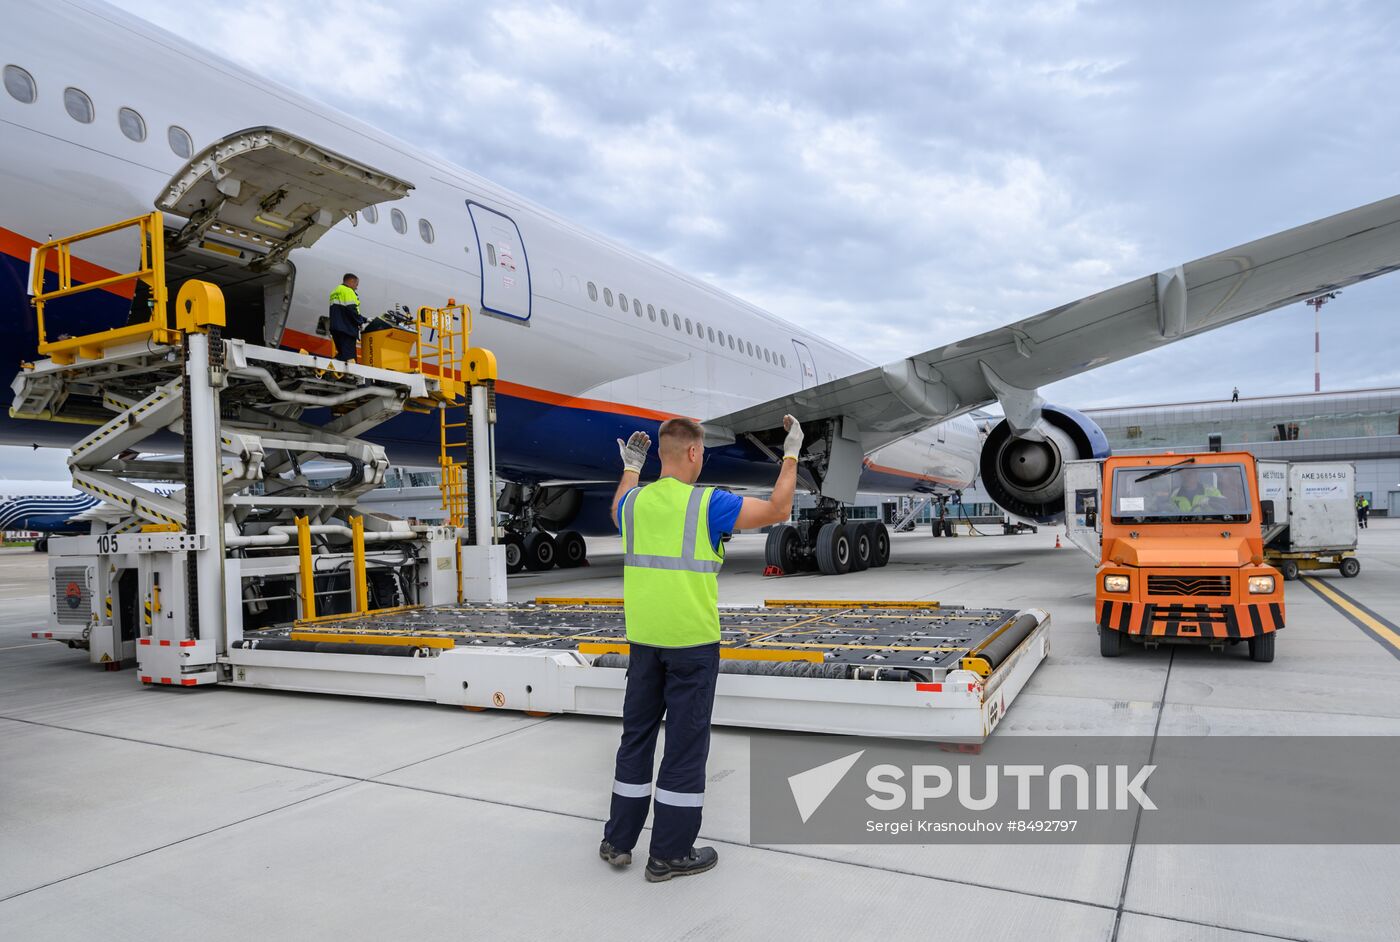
(1161, 471)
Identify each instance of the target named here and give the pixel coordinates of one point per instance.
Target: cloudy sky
(898, 175)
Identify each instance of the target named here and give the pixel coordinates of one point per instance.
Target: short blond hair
(680, 433)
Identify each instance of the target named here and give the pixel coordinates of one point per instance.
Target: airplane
(48, 507)
(594, 340)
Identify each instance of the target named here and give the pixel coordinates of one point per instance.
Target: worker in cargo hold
(671, 537)
(345, 320)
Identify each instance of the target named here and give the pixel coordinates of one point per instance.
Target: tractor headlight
(1115, 583)
(1261, 585)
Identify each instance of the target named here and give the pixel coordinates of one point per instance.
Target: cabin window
(687, 326)
(766, 357)
(179, 140)
(652, 311)
(607, 296)
(132, 124)
(78, 105)
(711, 332)
(676, 322)
(592, 291)
(401, 226)
(783, 359)
(20, 85)
(637, 307)
(622, 300)
(425, 231)
(665, 322)
(371, 214)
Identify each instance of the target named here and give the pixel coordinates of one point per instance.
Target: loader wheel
(879, 544)
(1110, 642)
(833, 549)
(862, 552)
(1350, 567)
(1289, 568)
(1261, 647)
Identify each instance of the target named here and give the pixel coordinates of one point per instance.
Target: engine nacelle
(1027, 477)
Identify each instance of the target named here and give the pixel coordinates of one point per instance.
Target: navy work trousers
(679, 683)
(344, 345)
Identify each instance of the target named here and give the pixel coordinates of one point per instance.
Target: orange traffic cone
(1057, 541)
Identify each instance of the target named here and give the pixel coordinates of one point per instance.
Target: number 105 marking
(107, 543)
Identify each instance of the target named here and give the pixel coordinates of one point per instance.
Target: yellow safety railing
(150, 271)
(442, 346)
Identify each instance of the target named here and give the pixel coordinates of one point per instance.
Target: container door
(1083, 500)
(505, 271)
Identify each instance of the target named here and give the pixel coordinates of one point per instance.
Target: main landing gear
(828, 543)
(534, 539)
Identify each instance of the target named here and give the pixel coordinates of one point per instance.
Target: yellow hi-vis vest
(670, 570)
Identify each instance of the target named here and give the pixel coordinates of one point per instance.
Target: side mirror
(1266, 507)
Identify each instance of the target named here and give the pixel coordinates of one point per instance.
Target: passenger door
(505, 270)
(805, 364)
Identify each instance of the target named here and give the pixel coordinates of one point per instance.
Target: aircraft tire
(540, 551)
(833, 549)
(515, 553)
(571, 550)
(781, 549)
(862, 550)
(879, 543)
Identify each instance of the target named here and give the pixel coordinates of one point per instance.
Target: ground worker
(345, 317)
(1363, 510)
(1194, 494)
(1235, 396)
(671, 536)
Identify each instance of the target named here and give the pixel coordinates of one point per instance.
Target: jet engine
(1026, 475)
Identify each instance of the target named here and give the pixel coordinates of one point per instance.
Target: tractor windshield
(1183, 493)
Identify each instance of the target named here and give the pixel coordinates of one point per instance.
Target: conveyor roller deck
(903, 669)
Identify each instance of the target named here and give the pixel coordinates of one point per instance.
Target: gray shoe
(698, 860)
(618, 858)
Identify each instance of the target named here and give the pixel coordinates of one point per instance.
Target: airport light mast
(1316, 304)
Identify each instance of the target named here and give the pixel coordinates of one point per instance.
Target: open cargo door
(268, 192)
(248, 200)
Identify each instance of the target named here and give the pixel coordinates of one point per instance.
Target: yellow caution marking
(847, 603)
(1382, 631)
(567, 600)
(728, 654)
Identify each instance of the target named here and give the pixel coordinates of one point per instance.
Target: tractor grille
(1188, 585)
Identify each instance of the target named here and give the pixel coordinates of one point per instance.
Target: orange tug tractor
(1181, 551)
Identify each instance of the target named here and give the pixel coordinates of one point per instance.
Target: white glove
(792, 445)
(634, 451)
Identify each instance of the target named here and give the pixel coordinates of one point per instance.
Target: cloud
(895, 175)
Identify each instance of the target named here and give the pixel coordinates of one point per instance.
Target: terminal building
(1361, 426)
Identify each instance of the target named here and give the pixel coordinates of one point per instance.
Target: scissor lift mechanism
(240, 512)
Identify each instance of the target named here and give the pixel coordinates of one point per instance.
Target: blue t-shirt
(724, 513)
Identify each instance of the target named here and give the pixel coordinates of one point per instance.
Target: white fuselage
(571, 361)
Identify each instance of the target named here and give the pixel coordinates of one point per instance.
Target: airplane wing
(893, 401)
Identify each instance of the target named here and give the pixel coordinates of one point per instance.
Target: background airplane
(594, 340)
